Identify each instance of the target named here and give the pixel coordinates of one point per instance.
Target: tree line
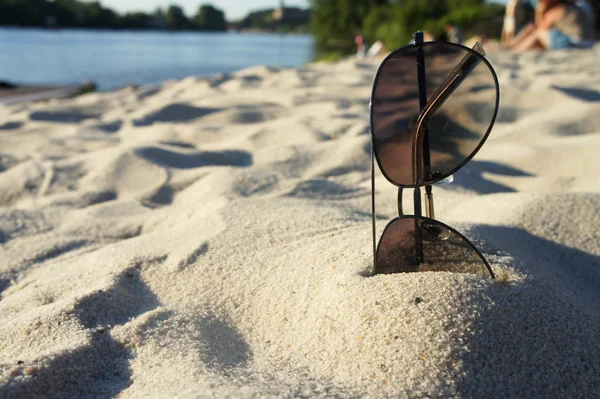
(292, 19)
(394, 22)
(79, 14)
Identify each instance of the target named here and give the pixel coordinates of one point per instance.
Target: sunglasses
(433, 106)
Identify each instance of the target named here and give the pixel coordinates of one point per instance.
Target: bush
(335, 23)
(408, 17)
(373, 22)
(479, 20)
(331, 56)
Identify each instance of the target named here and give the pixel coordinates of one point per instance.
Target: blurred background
(115, 43)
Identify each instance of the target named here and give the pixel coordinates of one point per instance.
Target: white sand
(212, 238)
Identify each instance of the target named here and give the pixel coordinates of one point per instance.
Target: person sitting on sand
(518, 14)
(510, 23)
(562, 25)
(361, 46)
(454, 34)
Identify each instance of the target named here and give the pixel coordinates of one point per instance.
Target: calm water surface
(114, 59)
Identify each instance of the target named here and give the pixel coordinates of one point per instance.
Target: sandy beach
(212, 238)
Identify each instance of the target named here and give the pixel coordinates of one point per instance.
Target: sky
(234, 9)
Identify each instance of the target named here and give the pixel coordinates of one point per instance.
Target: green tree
(375, 18)
(335, 23)
(135, 20)
(69, 13)
(176, 19)
(96, 16)
(86, 14)
(433, 15)
(22, 12)
(158, 19)
(209, 18)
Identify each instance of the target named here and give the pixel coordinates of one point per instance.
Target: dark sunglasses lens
(467, 99)
(419, 245)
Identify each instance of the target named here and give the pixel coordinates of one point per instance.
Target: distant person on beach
(518, 14)
(454, 34)
(361, 46)
(560, 24)
(510, 23)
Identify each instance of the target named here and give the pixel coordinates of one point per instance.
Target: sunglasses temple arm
(416, 160)
(454, 79)
(373, 219)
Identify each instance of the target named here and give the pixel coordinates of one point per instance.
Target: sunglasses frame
(419, 43)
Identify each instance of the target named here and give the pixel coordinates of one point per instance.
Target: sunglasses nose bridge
(417, 202)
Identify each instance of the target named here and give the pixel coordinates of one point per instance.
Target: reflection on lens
(456, 126)
(442, 249)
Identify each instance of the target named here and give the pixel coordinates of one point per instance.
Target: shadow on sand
(11, 125)
(533, 341)
(471, 178)
(173, 159)
(580, 94)
(65, 116)
(100, 369)
(225, 348)
(574, 271)
(174, 113)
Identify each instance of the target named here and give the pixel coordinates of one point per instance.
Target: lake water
(113, 59)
